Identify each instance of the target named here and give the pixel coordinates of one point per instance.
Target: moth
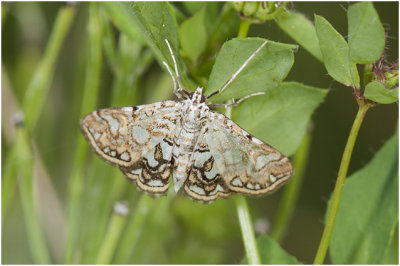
(208, 155)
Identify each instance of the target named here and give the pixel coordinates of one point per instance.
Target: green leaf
(335, 53)
(302, 30)
(368, 213)
(212, 11)
(122, 19)
(272, 253)
(281, 116)
(226, 25)
(392, 253)
(193, 35)
(265, 71)
(193, 6)
(155, 23)
(366, 33)
(376, 91)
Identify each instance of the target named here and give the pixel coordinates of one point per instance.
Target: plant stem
(130, 238)
(76, 183)
(8, 181)
(39, 86)
(37, 241)
(34, 98)
(337, 192)
(249, 239)
(292, 190)
(246, 226)
(243, 29)
(113, 234)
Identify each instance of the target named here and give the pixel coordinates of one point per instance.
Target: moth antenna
(235, 103)
(178, 88)
(232, 78)
(171, 74)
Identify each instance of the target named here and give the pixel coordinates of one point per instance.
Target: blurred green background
(188, 232)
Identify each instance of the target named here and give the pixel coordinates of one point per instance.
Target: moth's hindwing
(152, 172)
(205, 182)
(137, 139)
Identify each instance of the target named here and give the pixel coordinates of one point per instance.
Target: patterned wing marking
(246, 164)
(137, 139)
(122, 136)
(205, 182)
(152, 172)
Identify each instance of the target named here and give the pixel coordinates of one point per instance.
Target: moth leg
(179, 91)
(232, 78)
(234, 103)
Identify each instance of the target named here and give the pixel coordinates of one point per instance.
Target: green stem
(130, 239)
(8, 180)
(249, 239)
(32, 105)
(76, 184)
(246, 226)
(113, 234)
(292, 190)
(25, 173)
(243, 29)
(337, 192)
(39, 86)
(155, 225)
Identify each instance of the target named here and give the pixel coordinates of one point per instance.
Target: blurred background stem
(133, 232)
(36, 93)
(114, 230)
(37, 242)
(34, 98)
(291, 191)
(90, 93)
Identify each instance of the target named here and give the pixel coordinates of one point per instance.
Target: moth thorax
(197, 97)
(193, 116)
